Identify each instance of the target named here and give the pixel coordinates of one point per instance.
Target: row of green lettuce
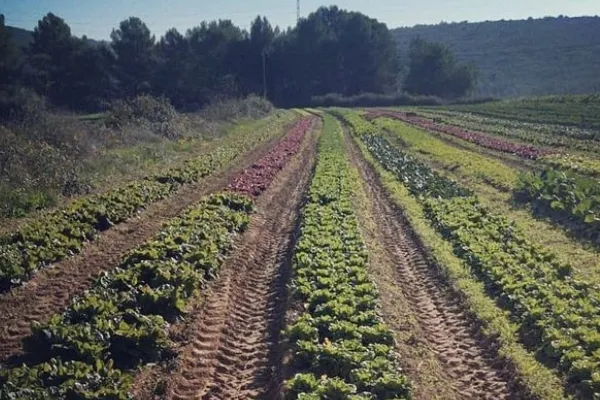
(90, 350)
(64, 232)
(567, 197)
(558, 315)
(340, 347)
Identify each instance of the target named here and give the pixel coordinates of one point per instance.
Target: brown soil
(440, 345)
(50, 291)
(230, 343)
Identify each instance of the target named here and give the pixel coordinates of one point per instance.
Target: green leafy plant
(121, 322)
(564, 196)
(340, 347)
(557, 314)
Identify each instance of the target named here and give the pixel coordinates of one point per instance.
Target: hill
(522, 58)
(21, 37)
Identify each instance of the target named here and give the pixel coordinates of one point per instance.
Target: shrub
(373, 100)
(16, 103)
(155, 114)
(225, 110)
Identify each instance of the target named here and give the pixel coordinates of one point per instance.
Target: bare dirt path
(231, 340)
(50, 291)
(440, 346)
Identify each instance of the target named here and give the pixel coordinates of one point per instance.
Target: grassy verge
(64, 231)
(122, 164)
(48, 159)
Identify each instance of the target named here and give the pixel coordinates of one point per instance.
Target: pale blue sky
(96, 18)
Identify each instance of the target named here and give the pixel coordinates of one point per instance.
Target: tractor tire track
(469, 361)
(233, 342)
(51, 290)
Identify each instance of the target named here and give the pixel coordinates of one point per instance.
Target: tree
(133, 45)
(51, 55)
(434, 71)
(67, 70)
(8, 56)
(330, 51)
(91, 80)
(215, 58)
(334, 51)
(259, 46)
(172, 58)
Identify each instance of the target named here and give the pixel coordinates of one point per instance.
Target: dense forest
(332, 51)
(520, 58)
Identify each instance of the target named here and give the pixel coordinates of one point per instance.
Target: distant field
(580, 111)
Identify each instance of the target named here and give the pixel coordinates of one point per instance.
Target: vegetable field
(376, 254)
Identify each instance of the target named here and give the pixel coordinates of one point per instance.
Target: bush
(17, 103)
(154, 114)
(231, 109)
(33, 173)
(144, 107)
(374, 100)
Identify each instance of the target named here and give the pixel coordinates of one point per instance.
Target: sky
(96, 19)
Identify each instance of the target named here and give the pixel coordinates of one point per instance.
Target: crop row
(536, 133)
(566, 196)
(462, 161)
(579, 111)
(557, 312)
(580, 164)
(340, 346)
(479, 138)
(254, 180)
(121, 322)
(63, 232)
(423, 181)
(570, 138)
(559, 315)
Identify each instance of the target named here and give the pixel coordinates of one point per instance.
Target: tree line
(330, 51)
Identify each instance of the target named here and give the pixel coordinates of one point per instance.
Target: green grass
(91, 117)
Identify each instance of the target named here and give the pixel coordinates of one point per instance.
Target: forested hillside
(20, 37)
(519, 58)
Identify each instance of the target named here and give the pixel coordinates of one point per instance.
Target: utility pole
(264, 60)
(297, 11)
